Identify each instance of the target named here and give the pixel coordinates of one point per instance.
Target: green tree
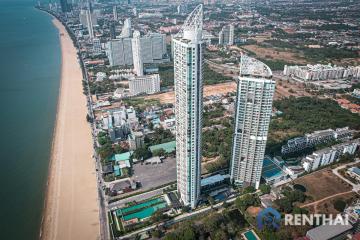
(159, 152)
(156, 233)
(171, 236)
(249, 189)
(297, 210)
(243, 202)
(151, 126)
(339, 205)
(142, 153)
(220, 235)
(118, 149)
(211, 200)
(346, 158)
(105, 151)
(265, 188)
(212, 222)
(185, 209)
(284, 205)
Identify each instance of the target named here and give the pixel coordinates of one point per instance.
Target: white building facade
(321, 72)
(144, 84)
(136, 50)
(226, 35)
(90, 27)
(329, 155)
(188, 75)
(153, 49)
(126, 29)
(255, 91)
(97, 46)
(119, 52)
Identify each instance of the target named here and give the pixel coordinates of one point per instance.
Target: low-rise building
(168, 147)
(329, 155)
(354, 172)
(356, 93)
(144, 84)
(321, 72)
(317, 137)
(100, 76)
(329, 232)
(353, 213)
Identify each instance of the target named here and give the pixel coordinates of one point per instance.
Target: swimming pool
(141, 210)
(123, 211)
(250, 235)
(145, 213)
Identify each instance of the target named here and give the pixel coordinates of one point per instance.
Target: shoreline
(70, 205)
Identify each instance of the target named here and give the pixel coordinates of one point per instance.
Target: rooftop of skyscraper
(253, 67)
(192, 28)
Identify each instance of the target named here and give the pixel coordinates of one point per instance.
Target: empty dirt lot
(327, 206)
(286, 89)
(322, 184)
(221, 88)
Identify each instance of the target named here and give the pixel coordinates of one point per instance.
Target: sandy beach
(71, 207)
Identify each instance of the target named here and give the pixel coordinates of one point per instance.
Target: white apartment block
(226, 35)
(317, 137)
(329, 155)
(96, 46)
(255, 91)
(119, 52)
(320, 72)
(144, 84)
(188, 73)
(153, 49)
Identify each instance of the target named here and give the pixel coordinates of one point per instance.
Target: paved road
(104, 229)
(356, 187)
(139, 197)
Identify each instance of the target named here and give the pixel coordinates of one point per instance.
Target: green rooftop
(168, 147)
(121, 157)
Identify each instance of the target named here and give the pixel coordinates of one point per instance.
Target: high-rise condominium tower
(188, 75)
(115, 14)
(64, 6)
(126, 29)
(136, 50)
(226, 35)
(90, 26)
(254, 99)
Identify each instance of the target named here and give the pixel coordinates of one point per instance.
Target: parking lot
(154, 175)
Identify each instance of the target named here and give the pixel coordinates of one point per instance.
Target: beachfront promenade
(72, 205)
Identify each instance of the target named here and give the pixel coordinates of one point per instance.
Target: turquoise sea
(30, 64)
